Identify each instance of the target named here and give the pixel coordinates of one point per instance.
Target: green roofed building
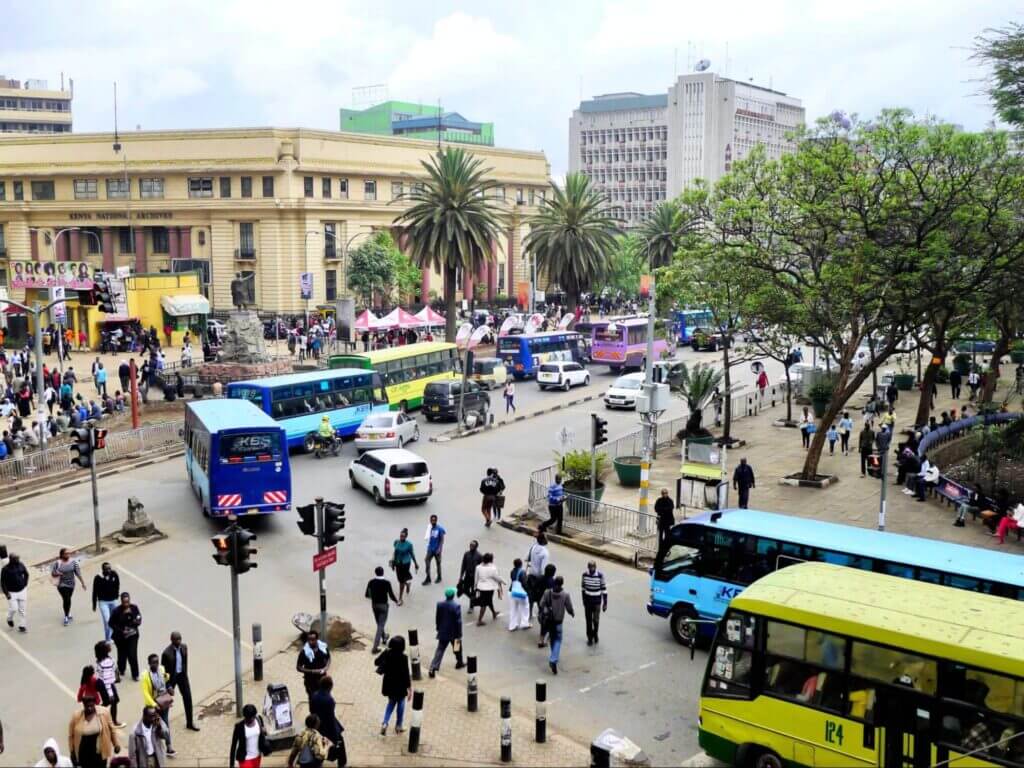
(416, 121)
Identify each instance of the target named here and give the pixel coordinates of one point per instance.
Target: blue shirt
(101, 376)
(832, 434)
(846, 425)
(436, 538)
(556, 494)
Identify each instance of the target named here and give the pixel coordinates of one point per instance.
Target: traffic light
(307, 519)
(334, 523)
(599, 430)
(102, 291)
(99, 439)
(243, 552)
(223, 545)
(81, 447)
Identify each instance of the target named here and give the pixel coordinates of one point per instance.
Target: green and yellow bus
(406, 370)
(821, 665)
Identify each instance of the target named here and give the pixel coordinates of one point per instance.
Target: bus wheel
(764, 759)
(309, 443)
(684, 630)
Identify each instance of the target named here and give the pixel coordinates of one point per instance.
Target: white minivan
(563, 374)
(392, 474)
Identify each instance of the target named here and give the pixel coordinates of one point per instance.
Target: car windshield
(436, 388)
(384, 420)
(409, 469)
(549, 369)
(626, 383)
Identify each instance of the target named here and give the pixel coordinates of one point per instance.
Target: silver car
(386, 430)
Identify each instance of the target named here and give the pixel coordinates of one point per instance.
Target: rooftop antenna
(117, 143)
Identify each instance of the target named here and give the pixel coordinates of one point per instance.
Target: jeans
(380, 615)
(555, 635)
(105, 607)
(394, 704)
(16, 604)
(844, 438)
(510, 404)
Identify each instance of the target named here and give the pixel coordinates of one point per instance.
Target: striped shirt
(593, 585)
(105, 672)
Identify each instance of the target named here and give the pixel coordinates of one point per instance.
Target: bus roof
(949, 623)
(229, 413)
(398, 353)
(631, 321)
(540, 335)
(302, 378)
(894, 547)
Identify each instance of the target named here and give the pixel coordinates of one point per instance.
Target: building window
(3, 243)
(201, 237)
(325, 187)
(225, 186)
(501, 278)
(499, 193)
(200, 187)
(247, 186)
(268, 186)
(520, 196)
(533, 197)
(3, 190)
(117, 189)
(124, 234)
(91, 235)
(3, 278)
(330, 240)
(397, 190)
(307, 186)
(151, 188)
(42, 190)
(369, 190)
(246, 240)
(343, 189)
(331, 284)
(85, 189)
(160, 240)
(19, 190)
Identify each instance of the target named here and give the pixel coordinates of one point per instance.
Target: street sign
(322, 559)
(306, 285)
(59, 311)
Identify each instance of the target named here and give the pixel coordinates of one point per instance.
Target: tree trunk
(727, 380)
(1001, 350)
(931, 373)
(572, 299)
(818, 440)
(449, 304)
(789, 397)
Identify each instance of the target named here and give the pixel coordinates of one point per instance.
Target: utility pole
(321, 576)
(598, 436)
(883, 440)
(646, 418)
(325, 520)
(231, 548)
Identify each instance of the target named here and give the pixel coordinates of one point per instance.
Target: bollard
(417, 721)
(600, 757)
(414, 654)
(541, 732)
(471, 686)
(257, 651)
(506, 729)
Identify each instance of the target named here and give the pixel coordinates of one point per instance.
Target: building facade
(33, 108)
(417, 121)
(641, 149)
(267, 203)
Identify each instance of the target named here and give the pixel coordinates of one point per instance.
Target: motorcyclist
(325, 431)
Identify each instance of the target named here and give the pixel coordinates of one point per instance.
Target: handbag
(165, 700)
(517, 591)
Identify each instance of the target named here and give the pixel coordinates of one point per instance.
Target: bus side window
(805, 665)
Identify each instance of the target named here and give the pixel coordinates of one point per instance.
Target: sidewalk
(450, 734)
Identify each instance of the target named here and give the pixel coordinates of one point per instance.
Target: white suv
(392, 474)
(562, 374)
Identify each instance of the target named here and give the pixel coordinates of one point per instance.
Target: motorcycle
(326, 446)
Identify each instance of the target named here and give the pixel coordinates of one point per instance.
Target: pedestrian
(149, 746)
(664, 508)
(125, 621)
(100, 378)
(973, 382)
(401, 558)
(806, 423)
(448, 623)
(63, 573)
(518, 598)
(314, 661)
(510, 397)
(106, 587)
(124, 373)
(435, 545)
(499, 497)
(955, 380)
(892, 393)
(106, 673)
(488, 492)
(536, 565)
(487, 582)
(52, 758)
(845, 429)
(322, 704)
(378, 592)
(248, 740)
(555, 603)
(175, 662)
(556, 500)
(155, 693)
(396, 687)
(762, 383)
(743, 481)
(595, 600)
(540, 586)
(309, 750)
(92, 737)
(832, 435)
(865, 444)
(14, 584)
(88, 684)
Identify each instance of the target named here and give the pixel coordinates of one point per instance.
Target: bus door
(903, 737)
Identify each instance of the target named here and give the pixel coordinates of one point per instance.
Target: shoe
(590, 641)
(171, 752)
(460, 665)
(23, 630)
(552, 664)
(958, 523)
(375, 650)
(437, 580)
(10, 623)
(70, 619)
(383, 730)
(192, 727)
(541, 644)
(67, 621)
(432, 674)
(399, 729)
(426, 582)
(120, 725)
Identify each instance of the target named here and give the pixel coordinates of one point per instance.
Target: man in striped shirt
(595, 599)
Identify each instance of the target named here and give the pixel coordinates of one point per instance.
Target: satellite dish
(702, 65)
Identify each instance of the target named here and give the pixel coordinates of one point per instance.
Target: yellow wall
(143, 294)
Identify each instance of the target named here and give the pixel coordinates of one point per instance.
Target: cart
(278, 715)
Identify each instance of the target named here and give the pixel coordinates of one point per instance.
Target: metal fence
(119, 445)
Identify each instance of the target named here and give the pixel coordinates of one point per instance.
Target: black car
(441, 399)
(707, 340)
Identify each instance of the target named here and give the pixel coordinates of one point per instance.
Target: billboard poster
(76, 275)
(523, 295)
(645, 286)
(59, 311)
(306, 285)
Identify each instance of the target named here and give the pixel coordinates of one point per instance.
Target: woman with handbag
(396, 686)
(518, 598)
(486, 583)
(92, 738)
(248, 740)
(106, 672)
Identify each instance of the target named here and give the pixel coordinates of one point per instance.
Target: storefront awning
(186, 304)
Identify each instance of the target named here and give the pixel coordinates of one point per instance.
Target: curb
(456, 435)
(567, 541)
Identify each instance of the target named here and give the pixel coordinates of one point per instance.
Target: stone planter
(576, 506)
(904, 381)
(628, 470)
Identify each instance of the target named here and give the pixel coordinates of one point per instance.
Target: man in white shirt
(148, 745)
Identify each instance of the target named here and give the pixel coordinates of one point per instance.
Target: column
(107, 239)
(140, 250)
(76, 244)
(62, 246)
(172, 242)
(33, 244)
(186, 242)
(513, 289)
(425, 285)
(492, 273)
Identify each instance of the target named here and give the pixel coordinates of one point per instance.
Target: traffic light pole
(236, 631)
(320, 574)
(95, 490)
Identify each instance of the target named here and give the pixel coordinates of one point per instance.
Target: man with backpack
(555, 603)
(489, 490)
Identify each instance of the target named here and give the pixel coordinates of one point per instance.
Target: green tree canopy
(1003, 51)
(371, 266)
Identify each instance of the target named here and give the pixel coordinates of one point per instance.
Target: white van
(392, 474)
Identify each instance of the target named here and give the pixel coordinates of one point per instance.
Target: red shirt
(90, 688)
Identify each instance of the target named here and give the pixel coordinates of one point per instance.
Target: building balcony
(332, 254)
(245, 254)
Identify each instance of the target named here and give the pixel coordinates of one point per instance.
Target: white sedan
(623, 391)
(386, 430)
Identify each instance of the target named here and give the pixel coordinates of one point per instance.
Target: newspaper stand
(278, 715)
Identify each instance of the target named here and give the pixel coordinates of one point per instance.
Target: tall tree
(661, 232)
(371, 266)
(1003, 51)
(452, 220)
(572, 237)
(626, 265)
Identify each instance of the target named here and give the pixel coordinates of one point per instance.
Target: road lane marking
(40, 666)
(34, 541)
(617, 675)
(174, 601)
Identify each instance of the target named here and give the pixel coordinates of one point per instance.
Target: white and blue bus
(524, 352)
(298, 401)
(236, 458)
(688, 320)
(710, 558)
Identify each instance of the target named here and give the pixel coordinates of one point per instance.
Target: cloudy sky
(523, 65)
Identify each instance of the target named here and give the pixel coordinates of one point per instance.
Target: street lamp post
(647, 418)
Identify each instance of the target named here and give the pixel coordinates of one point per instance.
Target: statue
(243, 290)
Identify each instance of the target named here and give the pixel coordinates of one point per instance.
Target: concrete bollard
(541, 731)
(257, 652)
(417, 721)
(414, 654)
(506, 729)
(471, 684)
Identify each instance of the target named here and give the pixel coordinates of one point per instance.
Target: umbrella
(478, 335)
(430, 317)
(367, 321)
(463, 334)
(534, 323)
(399, 318)
(511, 322)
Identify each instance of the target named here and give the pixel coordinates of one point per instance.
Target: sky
(523, 65)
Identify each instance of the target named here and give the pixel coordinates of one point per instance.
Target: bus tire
(684, 633)
(759, 757)
(309, 443)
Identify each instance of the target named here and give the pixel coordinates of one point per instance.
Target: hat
(450, 592)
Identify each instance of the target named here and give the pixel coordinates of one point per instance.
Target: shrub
(575, 467)
(822, 389)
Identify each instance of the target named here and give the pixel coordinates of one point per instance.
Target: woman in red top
(89, 685)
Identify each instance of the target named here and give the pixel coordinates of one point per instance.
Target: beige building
(33, 108)
(272, 203)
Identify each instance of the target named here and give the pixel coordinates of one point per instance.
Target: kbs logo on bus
(229, 500)
(275, 497)
(725, 594)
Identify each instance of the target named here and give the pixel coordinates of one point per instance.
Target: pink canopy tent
(367, 321)
(430, 317)
(399, 318)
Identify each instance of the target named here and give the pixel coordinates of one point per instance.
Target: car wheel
(683, 629)
(352, 479)
(422, 501)
(309, 443)
(541, 387)
(377, 498)
(586, 381)
(566, 385)
(766, 759)
(416, 433)
(429, 418)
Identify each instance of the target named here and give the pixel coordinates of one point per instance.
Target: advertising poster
(76, 275)
(306, 285)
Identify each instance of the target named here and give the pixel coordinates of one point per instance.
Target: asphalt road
(637, 680)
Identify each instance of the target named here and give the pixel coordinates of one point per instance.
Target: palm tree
(696, 386)
(572, 237)
(661, 232)
(452, 220)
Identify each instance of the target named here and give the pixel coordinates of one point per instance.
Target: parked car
(707, 340)
(441, 399)
(667, 371)
(216, 325)
(392, 474)
(624, 391)
(489, 372)
(386, 430)
(562, 374)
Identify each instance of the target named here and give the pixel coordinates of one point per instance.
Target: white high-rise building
(640, 149)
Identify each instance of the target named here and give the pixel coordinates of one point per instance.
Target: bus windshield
(611, 333)
(509, 343)
(255, 445)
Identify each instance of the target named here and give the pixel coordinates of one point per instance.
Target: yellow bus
(821, 665)
(406, 370)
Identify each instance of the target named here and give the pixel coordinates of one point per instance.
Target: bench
(953, 492)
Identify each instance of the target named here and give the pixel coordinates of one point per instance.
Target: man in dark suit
(175, 662)
(448, 621)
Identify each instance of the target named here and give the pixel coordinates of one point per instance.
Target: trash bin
(875, 465)
(277, 714)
